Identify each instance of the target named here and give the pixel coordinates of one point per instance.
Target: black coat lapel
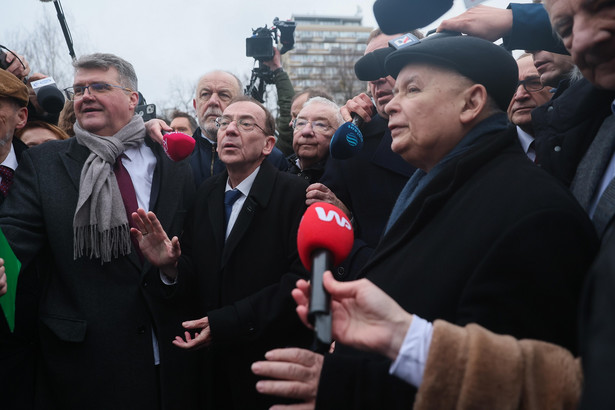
(259, 197)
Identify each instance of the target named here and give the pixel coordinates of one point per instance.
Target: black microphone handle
(319, 312)
(356, 120)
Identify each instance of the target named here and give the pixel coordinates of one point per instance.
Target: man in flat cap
(479, 234)
(13, 116)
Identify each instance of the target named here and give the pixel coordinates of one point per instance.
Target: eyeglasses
(78, 91)
(243, 124)
(531, 84)
(318, 126)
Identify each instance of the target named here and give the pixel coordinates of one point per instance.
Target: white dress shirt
(244, 187)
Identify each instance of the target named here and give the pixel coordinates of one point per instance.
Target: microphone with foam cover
(347, 140)
(49, 96)
(177, 145)
(324, 239)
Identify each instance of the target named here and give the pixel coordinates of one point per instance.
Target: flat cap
(479, 60)
(11, 86)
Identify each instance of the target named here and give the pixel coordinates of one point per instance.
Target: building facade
(326, 48)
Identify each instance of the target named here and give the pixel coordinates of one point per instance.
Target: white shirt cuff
(167, 280)
(410, 362)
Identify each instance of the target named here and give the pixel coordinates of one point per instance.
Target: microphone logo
(352, 137)
(329, 216)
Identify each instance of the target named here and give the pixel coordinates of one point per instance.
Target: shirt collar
(11, 159)
(246, 185)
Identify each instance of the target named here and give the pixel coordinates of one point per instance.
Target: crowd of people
(482, 201)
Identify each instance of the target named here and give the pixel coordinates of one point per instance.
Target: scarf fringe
(111, 243)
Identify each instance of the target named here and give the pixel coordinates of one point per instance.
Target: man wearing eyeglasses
(105, 316)
(312, 131)
(238, 250)
(214, 92)
(529, 95)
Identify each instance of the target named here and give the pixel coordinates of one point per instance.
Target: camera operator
(285, 95)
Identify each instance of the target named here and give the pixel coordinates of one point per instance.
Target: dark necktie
(7, 179)
(229, 199)
(129, 196)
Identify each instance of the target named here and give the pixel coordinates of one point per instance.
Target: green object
(12, 267)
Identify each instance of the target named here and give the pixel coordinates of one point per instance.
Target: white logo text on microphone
(329, 216)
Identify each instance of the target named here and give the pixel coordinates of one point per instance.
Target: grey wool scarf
(100, 225)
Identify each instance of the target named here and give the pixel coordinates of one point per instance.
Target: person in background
(531, 93)
(37, 132)
(183, 122)
(313, 128)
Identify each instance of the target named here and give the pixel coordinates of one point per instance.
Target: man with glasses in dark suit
(239, 251)
(105, 316)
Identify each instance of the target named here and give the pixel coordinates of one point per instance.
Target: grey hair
(127, 75)
(328, 103)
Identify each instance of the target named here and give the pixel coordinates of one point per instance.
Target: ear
(22, 118)
(194, 103)
(269, 144)
(475, 100)
(134, 100)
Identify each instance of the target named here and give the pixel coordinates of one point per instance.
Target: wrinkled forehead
(218, 81)
(244, 109)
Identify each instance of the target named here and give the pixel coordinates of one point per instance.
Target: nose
(392, 106)
(308, 130)
(87, 94)
(521, 93)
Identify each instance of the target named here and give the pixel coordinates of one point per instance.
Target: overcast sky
(171, 43)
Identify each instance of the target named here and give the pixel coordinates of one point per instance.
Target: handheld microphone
(177, 145)
(49, 96)
(324, 239)
(347, 140)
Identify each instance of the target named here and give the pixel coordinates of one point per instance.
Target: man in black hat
(479, 234)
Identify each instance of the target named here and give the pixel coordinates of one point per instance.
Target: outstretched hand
(154, 128)
(201, 338)
(363, 316)
(154, 242)
(489, 23)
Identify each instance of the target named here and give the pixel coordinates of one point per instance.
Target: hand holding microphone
(324, 239)
(348, 139)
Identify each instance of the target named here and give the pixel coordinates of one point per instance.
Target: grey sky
(171, 43)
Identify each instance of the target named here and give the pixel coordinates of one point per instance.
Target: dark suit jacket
(245, 283)
(96, 320)
(492, 240)
(368, 184)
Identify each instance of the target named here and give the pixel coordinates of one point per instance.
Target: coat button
(340, 271)
(141, 330)
(550, 108)
(144, 284)
(557, 148)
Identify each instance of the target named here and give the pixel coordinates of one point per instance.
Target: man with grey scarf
(106, 317)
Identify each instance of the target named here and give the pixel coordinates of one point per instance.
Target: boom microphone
(324, 239)
(177, 145)
(347, 140)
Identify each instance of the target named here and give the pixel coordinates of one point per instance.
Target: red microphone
(177, 145)
(324, 239)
